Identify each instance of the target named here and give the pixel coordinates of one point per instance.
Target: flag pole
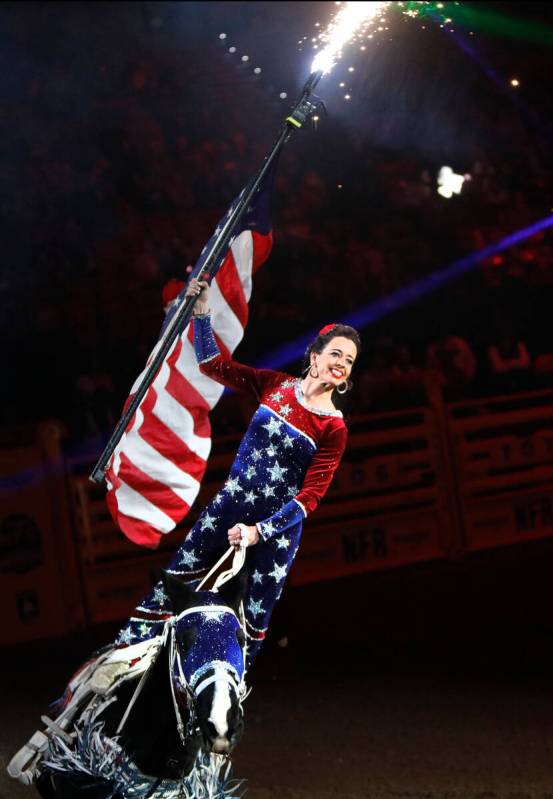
(302, 112)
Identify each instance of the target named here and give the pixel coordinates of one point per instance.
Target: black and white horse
(148, 718)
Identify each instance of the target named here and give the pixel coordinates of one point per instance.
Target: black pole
(302, 112)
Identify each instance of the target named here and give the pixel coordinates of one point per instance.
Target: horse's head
(209, 657)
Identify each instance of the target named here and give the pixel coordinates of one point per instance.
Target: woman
(282, 470)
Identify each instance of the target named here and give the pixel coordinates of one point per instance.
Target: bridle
(193, 688)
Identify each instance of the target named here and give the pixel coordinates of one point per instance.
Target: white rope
(237, 563)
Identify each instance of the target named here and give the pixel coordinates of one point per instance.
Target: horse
(147, 719)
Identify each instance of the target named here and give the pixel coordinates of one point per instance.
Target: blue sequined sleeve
(205, 345)
(291, 513)
(225, 370)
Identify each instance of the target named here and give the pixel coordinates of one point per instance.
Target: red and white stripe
(155, 472)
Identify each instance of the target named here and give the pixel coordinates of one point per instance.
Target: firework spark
(352, 21)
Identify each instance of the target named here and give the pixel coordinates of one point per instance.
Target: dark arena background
(411, 655)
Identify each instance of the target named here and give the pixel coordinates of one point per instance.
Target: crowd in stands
(120, 164)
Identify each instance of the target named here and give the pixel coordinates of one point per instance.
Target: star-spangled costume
(283, 467)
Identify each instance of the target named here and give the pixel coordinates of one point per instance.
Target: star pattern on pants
(279, 573)
(159, 594)
(256, 608)
(207, 522)
(188, 559)
(283, 543)
(232, 486)
(257, 577)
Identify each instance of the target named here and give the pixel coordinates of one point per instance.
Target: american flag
(155, 472)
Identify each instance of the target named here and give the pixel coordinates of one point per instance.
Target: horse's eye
(187, 637)
(240, 637)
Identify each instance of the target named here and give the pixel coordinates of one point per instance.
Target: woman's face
(335, 362)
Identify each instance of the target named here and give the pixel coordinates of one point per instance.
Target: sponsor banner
(40, 591)
(510, 519)
(369, 544)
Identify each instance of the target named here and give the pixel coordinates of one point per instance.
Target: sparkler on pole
(351, 19)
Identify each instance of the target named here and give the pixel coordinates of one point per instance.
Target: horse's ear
(232, 592)
(179, 592)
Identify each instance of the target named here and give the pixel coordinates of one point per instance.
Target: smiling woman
(282, 470)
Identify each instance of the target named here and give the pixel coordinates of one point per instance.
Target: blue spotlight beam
(371, 313)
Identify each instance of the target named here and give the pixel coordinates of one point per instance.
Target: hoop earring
(311, 373)
(343, 387)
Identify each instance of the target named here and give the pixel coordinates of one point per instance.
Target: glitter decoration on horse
(155, 719)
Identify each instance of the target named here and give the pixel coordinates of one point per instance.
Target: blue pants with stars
(267, 563)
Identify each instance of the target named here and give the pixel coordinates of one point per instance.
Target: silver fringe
(99, 756)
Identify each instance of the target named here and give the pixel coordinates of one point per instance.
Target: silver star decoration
(268, 491)
(271, 452)
(279, 573)
(268, 528)
(188, 559)
(250, 497)
(287, 441)
(285, 410)
(283, 543)
(256, 608)
(277, 472)
(217, 230)
(217, 499)
(214, 616)
(276, 397)
(288, 384)
(273, 426)
(232, 486)
(207, 522)
(257, 577)
(144, 629)
(250, 472)
(256, 455)
(126, 636)
(159, 594)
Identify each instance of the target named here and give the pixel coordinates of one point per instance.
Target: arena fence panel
(502, 453)
(39, 571)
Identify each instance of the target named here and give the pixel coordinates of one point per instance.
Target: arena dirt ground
(406, 686)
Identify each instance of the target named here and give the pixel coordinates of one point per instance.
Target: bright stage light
(449, 183)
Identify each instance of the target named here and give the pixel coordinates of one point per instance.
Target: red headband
(327, 328)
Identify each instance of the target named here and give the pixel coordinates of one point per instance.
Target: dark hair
(319, 343)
